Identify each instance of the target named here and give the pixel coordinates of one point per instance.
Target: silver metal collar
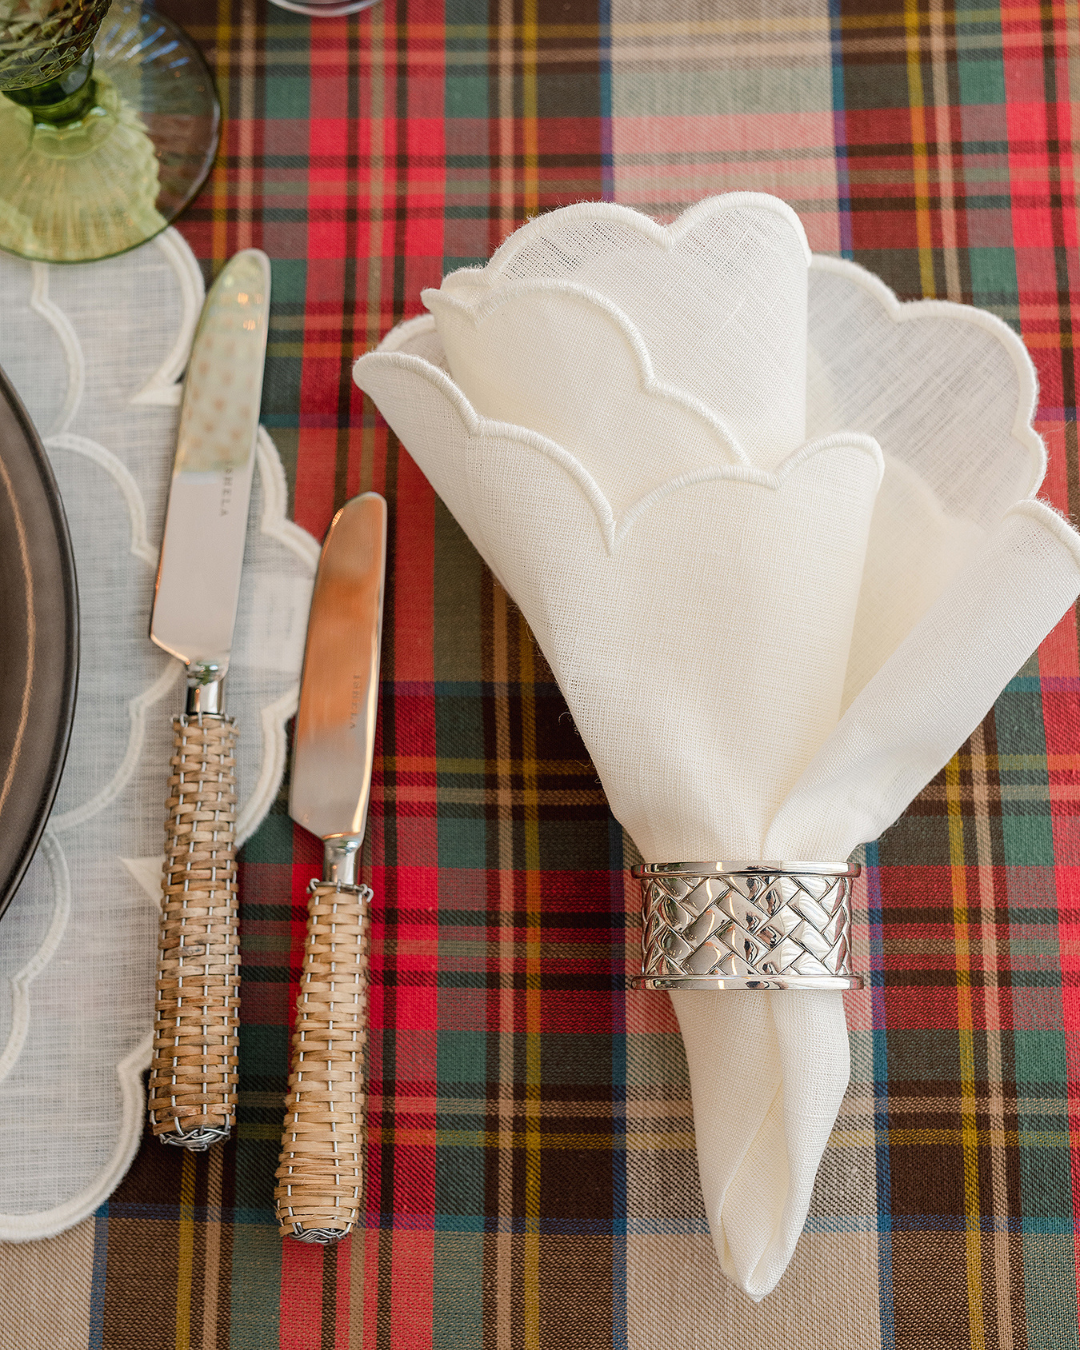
(746, 925)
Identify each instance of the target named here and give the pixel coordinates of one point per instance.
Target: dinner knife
(319, 1177)
(193, 1071)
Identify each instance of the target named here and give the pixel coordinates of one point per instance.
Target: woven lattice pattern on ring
(319, 1179)
(765, 924)
(193, 1072)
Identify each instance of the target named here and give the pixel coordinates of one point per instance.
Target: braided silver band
(740, 925)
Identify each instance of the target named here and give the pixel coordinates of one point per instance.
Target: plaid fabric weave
(531, 1173)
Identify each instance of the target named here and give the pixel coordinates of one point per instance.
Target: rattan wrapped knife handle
(320, 1179)
(193, 1073)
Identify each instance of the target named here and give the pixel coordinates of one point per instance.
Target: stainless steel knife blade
(193, 1071)
(339, 693)
(202, 553)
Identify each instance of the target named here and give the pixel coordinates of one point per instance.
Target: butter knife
(319, 1177)
(193, 1071)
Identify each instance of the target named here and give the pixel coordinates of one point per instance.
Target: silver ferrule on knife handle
(341, 860)
(205, 690)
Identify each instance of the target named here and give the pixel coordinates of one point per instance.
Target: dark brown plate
(39, 640)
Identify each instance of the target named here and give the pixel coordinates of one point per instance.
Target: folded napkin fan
(775, 534)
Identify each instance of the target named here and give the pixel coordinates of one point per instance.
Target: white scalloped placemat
(96, 353)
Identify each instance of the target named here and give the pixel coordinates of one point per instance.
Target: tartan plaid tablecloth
(531, 1173)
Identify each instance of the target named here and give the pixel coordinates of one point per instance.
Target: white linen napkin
(774, 533)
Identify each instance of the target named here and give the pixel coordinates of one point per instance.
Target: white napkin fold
(769, 643)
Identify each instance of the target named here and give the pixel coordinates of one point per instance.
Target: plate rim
(37, 455)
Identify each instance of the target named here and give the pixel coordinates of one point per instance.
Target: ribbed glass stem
(60, 102)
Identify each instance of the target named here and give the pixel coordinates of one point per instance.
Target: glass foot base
(133, 161)
(324, 9)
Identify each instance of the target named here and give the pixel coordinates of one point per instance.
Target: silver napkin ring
(740, 925)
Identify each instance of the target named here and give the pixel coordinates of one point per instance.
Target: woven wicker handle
(320, 1180)
(193, 1073)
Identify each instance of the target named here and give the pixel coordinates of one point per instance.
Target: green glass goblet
(108, 126)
